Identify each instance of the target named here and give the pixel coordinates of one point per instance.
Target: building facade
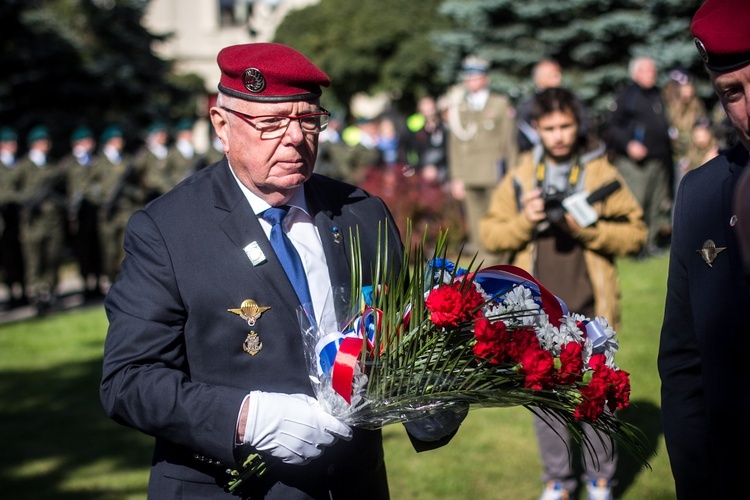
(200, 28)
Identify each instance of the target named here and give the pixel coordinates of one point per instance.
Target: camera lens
(553, 207)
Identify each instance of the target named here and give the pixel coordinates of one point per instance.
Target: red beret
(269, 72)
(721, 32)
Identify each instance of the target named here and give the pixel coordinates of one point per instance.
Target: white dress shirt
(300, 227)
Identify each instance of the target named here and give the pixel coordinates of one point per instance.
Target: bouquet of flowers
(436, 337)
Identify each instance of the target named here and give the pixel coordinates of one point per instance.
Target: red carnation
(487, 346)
(538, 365)
(594, 397)
(619, 390)
(522, 340)
(571, 363)
(452, 304)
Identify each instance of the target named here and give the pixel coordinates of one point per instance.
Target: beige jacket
(620, 229)
(482, 144)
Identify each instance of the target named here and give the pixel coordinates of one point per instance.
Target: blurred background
(69, 62)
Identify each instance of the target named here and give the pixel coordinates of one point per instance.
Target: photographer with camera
(565, 213)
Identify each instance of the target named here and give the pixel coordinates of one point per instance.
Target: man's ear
(221, 125)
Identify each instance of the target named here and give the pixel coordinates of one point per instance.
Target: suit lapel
(334, 233)
(241, 226)
(738, 159)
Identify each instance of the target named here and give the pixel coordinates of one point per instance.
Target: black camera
(553, 206)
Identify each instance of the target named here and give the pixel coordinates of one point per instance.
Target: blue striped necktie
(287, 254)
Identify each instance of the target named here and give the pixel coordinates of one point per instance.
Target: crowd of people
(653, 134)
(437, 168)
(75, 208)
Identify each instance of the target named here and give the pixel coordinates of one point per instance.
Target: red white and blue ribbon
(338, 352)
(594, 332)
(499, 280)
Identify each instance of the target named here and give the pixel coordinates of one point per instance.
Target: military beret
(8, 134)
(81, 133)
(111, 132)
(38, 133)
(184, 124)
(720, 28)
(474, 66)
(156, 127)
(269, 72)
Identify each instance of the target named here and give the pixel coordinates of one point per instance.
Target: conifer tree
(71, 62)
(592, 39)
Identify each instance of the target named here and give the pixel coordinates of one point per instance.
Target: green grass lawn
(57, 442)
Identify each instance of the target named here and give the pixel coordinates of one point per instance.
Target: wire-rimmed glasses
(273, 126)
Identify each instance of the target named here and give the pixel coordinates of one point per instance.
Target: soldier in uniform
(43, 197)
(82, 233)
(118, 195)
(482, 146)
(11, 256)
(151, 164)
(182, 158)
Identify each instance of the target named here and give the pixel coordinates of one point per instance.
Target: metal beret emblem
(702, 50)
(253, 80)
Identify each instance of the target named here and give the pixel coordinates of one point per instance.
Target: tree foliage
(370, 46)
(72, 62)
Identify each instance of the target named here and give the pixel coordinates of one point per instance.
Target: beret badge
(702, 50)
(253, 80)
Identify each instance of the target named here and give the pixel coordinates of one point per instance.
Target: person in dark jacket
(640, 146)
(181, 366)
(702, 360)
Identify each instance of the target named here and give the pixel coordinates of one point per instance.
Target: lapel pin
(254, 253)
(337, 238)
(710, 251)
(250, 311)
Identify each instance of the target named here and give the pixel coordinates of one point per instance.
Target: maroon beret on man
(269, 72)
(722, 33)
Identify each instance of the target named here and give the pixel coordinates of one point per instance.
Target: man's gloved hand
(291, 427)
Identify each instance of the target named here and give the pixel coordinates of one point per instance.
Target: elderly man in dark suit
(703, 350)
(179, 365)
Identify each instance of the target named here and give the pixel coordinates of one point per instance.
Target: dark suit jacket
(174, 366)
(703, 355)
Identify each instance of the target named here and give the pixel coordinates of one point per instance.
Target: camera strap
(573, 176)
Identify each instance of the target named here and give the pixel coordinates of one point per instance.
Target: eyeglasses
(273, 126)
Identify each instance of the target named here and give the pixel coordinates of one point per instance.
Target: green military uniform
(43, 197)
(151, 164)
(118, 195)
(182, 160)
(215, 151)
(11, 257)
(482, 147)
(82, 227)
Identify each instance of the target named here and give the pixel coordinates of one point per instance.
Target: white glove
(291, 427)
